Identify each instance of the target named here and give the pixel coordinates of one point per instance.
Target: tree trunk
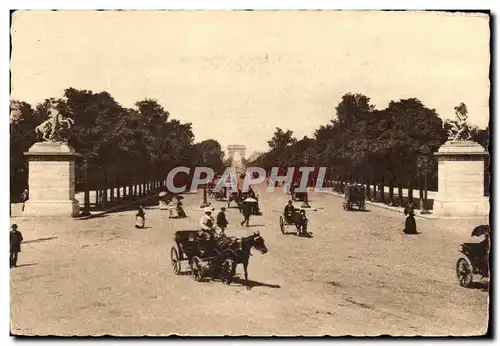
(410, 191)
(400, 194)
(368, 190)
(420, 188)
(86, 199)
(391, 191)
(382, 190)
(118, 194)
(112, 193)
(105, 203)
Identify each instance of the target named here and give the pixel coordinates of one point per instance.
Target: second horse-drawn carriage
(354, 195)
(298, 219)
(234, 196)
(297, 195)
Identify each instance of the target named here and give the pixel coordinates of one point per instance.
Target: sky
(236, 75)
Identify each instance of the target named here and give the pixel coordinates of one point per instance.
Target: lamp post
(425, 169)
(305, 204)
(205, 203)
(86, 186)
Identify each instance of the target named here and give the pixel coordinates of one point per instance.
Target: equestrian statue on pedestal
(50, 129)
(459, 130)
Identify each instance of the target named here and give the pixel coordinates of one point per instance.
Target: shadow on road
(257, 225)
(251, 284)
(39, 240)
(308, 235)
(94, 216)
(483, 286)
(26, 265)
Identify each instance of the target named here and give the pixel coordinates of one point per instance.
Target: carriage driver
(207, 223)
(289, 211)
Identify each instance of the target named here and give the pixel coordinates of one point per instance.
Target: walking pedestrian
(24, 198)
(410, 224)
(15, 245)
(246, 209)
(140, 218)
(180, 209)
(221, 220)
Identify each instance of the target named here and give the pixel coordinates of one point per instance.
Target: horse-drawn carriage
(296, 195)
(234, 196)
(214, 257)
(354, 195)
(297, 219)
(474, 258)
(201, 256)
(220, 194)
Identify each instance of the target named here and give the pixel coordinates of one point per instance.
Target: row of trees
(391, 147)
(120, 146)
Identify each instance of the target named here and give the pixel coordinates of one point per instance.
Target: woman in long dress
(172, 209)
(410, 224)
(180, 209)
(140, 218)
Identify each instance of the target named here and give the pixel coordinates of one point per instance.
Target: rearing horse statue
(50, 128)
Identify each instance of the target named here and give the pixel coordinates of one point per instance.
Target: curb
(401, 211)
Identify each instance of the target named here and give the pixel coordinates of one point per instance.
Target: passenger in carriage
(207, 224)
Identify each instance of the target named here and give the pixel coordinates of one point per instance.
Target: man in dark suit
(221, 220)
(15, 245)
(246, 209)
(289, 212)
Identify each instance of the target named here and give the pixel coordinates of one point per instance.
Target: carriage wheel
(226, 271)
(176, 261)
(282, 225)
(464, 272)
(196, 268)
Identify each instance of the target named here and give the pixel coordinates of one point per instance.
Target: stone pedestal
(461, 180)
(51, 180)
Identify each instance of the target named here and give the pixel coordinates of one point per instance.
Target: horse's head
(259, 243)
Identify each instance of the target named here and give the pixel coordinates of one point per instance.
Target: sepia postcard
(250, 173)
